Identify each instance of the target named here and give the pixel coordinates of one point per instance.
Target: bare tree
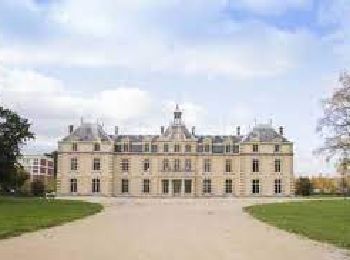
(334, 126)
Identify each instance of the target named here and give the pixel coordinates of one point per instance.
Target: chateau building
(177, 162)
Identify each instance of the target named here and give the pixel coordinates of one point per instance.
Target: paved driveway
(166, 229)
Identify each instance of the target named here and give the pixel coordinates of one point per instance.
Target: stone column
(170, 187)
(182, 186)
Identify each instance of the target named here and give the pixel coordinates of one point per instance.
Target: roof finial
(81, 120)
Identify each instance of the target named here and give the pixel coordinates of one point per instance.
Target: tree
(37, 187)
(14, 133)
(303, 186)
(334, 126)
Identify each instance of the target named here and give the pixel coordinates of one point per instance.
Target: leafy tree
(37, 187)
(334, 126)
(14, 133)
(303, 186)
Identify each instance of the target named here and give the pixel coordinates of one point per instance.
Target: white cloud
(270, 7)
(51, 107)
(132, 35)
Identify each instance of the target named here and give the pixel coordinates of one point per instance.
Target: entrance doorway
(176, 187)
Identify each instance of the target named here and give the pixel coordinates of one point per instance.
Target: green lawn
(322, 220)
(19, 215)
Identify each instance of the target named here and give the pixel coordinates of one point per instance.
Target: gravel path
(167, 229)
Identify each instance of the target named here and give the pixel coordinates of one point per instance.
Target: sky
(127, 63)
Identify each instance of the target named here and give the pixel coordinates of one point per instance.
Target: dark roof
(264, 133)
(177, 132)
(88, 132)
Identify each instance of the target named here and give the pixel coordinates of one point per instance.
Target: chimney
(116, 130)
(238, 130)
(281, 130)
(70, 129)
(193, 130)
(162, 129)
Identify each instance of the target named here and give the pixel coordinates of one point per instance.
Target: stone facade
(178, 162)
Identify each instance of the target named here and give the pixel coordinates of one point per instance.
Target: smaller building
(38, 166)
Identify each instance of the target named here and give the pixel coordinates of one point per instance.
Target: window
(118, 148)
(228, 148)
(146, 165)
(97, 147)
(207, 165)
(177, 148)
(207, 186)
(97, 164)
(188, 165)
(73, 185)
(207, 148)
(126, 147)
(125, 185)
(235, 149)
(278, 186)
(36, 161)
(165, 186)
(228, 186)
(228, 165)
(146, 186)
(255, 148)
(277, 165)
(75, 147)
(188, 186)
(42, 170)
(147, 147)
(255, 165)
(255, 186)
(74, 164)
(200, 148)
(125, 165)
(188, 148)
(43, 162)
(166, 165)
(177, 165)
(277, 148)
(96, 185)
(166, 148)
(154, 148)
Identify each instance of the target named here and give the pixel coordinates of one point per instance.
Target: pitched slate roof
(264, 133)
(88, 132)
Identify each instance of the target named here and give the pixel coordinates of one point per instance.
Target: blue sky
(127, 63)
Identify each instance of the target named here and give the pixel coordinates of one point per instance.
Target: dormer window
(177, 148)
(126, 147)
(75, 147)
(207, 148)
(255, 148)
(188, 148)
(277, 148)
(166, 148)
(146, 147)
(228, 148)
(97, 147)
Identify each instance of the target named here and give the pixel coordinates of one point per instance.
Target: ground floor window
(207, 186)
(255, 186)
(188, 186)
(96, 185)
(146, 186)
(228, 186)
(165, 186)
(73, 185)
(278, 186)
(125, 185)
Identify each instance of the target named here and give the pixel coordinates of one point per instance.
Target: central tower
(177, 115)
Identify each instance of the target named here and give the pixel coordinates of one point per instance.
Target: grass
(322, 220)
(20, 215)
